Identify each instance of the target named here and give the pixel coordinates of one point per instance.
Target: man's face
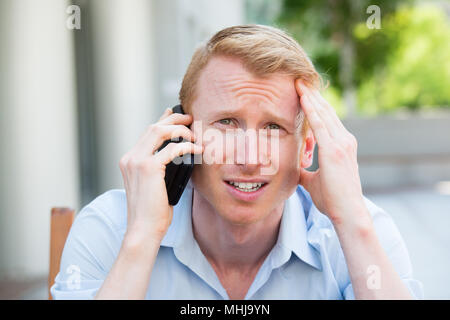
(230, 98)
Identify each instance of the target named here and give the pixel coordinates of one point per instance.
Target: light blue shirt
(307, 261)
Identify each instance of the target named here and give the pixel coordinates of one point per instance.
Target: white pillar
(122, 46)
(39, 160)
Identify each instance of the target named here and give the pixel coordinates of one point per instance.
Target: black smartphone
(178, 171)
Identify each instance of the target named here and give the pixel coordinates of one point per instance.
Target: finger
(334, 125)
(174, 131)
(304, 90)
(166, 113)
(157, 134)
(324, 114)
(173, 150)
(317, 125)
(326, 105)
(177, 118)
(298, 87)
(341, 134)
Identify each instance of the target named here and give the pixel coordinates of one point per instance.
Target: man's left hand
(335, 187)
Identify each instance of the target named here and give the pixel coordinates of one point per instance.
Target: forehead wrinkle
(233, 98)
(231, 86)
(237, 87)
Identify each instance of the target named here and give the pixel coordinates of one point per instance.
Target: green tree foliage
(405, 63)
(415, 69)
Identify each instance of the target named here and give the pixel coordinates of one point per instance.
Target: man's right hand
(143, 170)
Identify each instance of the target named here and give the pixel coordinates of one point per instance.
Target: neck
(230, 246)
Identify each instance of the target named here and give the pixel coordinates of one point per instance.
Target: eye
(273, 126)
(226, 121)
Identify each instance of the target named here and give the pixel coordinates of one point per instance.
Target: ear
(307, 150)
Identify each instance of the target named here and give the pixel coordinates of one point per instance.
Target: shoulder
(110, 208)
(98, 229)
(96, 234)
(323, 237)
(92, 245)
(387, 231)
(318, 222)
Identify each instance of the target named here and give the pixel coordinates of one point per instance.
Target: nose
(247, 147)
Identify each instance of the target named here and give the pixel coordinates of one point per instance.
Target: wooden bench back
(60, 224)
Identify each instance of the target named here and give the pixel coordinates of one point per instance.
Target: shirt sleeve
(89, 252)
(395, 248)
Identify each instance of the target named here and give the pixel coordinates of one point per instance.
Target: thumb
(307, 178)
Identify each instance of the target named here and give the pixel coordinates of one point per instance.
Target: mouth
(246, 191)
(246, 186)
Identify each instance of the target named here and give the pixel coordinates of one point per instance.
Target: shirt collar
(294, 228)
(180, 237)
(293, 234)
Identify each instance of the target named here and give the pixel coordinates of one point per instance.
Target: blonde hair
(263, 51)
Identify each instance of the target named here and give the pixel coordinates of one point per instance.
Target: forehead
(226, 82)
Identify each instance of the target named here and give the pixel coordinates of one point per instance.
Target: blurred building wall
(73, 102)
(400, 152)
(38, 130)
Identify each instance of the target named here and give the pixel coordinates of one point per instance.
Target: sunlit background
(73, 101)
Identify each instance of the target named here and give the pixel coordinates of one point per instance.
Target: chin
(241, 214)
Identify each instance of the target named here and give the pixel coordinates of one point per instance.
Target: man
(237, 233)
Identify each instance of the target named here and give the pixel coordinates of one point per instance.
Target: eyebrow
(267, 114)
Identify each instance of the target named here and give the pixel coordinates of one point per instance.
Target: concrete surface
(423, 218)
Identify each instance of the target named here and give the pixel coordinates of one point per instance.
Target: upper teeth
(247, 185)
